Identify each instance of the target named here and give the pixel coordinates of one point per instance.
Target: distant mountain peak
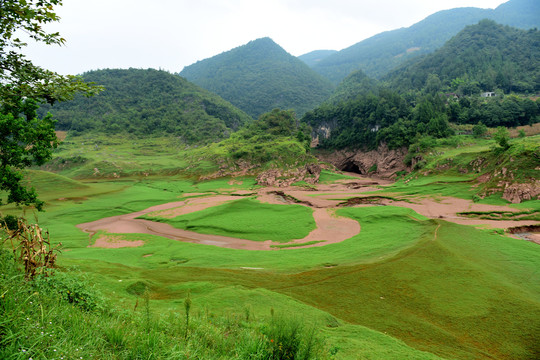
(260, 76)
(379, 54)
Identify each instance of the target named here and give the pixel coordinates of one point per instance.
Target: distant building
(487, 94)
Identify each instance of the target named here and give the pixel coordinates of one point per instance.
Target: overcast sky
(171, 34)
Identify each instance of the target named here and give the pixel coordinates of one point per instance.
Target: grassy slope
(452, 167)
(248, 219)
(454, 297)
(451, 290)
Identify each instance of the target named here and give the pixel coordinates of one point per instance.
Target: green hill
(356, 84)
(482, 57)
(260, 76)
(149, 102)
(379, 54)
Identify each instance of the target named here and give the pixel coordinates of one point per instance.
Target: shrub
(71, 287)
(10, 222)
(502, 137)
(479, 130)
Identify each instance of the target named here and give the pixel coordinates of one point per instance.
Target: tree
(279, 122)
(479, 130)
(26, 139)
(502, 137)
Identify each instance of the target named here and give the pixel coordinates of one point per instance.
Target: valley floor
(381, 270)
(324, 199)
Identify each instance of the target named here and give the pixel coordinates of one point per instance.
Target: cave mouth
(350, 166)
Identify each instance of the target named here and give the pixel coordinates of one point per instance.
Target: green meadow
(405, 287)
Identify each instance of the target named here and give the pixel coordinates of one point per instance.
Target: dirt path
(324, 200)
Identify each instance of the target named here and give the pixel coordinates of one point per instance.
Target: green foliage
(502, 137)
(19, 77)
(70, 287)
(506, 111)
(482, 57)
(288, 339)
(354, 85)
(9, 222)
(35, 322)
(144, 102)
(451, 165)
(260, 76)
(479, 130)
(369, 120)
(278, 122)
(276, 140)
(381, 53)
(248, 219)
(25, 138)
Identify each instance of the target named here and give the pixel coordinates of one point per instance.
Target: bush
(502, 137)
(479, 130)
(289, 339)
(71, 287)
(10, 222)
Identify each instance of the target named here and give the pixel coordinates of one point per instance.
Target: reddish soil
(324, 200)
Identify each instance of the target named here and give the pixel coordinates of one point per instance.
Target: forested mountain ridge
(356, 84)
(260, 76)
(381, 53)
(149, 102)
(441, 88)
(482, 57)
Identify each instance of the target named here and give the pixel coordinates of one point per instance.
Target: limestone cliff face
(383, 162)
(516, 193)
(283, 178)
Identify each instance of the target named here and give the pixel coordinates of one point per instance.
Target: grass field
(405, 287)
(248, 219)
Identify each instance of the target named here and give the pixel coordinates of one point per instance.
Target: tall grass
(38, 321)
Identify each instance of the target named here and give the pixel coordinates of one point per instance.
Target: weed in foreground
(31, 245)
(39, 321)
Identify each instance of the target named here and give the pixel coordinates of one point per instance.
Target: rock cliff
(383, 162)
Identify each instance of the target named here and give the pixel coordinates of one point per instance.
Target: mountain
(149, 101)
(381, 53)
(260, 76)
(314, 57)
(356, 84)
(482, 57)
(523, 14)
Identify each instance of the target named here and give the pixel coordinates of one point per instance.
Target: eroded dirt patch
(115, 242)
(324, 201)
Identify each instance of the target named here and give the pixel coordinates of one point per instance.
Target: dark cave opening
(351, 167)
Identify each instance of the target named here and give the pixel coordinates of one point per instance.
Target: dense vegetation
(442, 88)
(379, 54)
(482, 57)
(276, 140)
(144, 102)
(354, 85)
(62, 316)
(388, 117)
(260, 76)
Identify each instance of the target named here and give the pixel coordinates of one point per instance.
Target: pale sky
(171, 34)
